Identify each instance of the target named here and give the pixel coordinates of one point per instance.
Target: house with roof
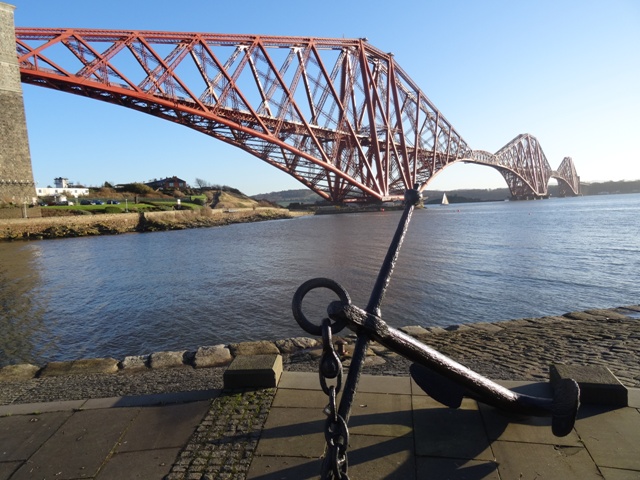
(169, 183)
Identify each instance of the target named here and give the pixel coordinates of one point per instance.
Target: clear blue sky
(566, 71)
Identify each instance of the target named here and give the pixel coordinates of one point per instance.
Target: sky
(565, 71)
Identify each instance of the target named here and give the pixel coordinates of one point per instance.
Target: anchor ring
(305, 288)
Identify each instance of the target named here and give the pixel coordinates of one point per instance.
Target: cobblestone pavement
(523, 349)
(224, 443)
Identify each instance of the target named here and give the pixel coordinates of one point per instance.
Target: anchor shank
(476, 386)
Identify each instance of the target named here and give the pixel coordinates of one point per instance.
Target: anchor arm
(450, 380)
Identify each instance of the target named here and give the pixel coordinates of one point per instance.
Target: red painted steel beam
(338, 115)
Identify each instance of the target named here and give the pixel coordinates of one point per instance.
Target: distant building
(169, 183)
(62, 187)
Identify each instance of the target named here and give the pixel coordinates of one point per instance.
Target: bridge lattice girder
(526, 170)
(567, 177)
(337, 114)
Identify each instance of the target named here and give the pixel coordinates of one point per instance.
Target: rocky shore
(519, 349)
(113, 224)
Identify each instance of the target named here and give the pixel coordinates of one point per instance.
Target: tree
(202, 183)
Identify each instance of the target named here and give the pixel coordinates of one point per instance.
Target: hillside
(285, 197)
(227, 199)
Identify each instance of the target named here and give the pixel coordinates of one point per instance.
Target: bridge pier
(17, 187)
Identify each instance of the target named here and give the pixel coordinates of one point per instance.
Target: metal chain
(336, 432)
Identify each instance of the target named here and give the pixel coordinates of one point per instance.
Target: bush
(112, 209)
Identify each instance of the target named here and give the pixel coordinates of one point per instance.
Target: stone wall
(16, 175)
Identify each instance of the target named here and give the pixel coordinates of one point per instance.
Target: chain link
(336, 432)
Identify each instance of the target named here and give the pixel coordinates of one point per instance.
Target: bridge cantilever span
(526, 170)
(339, 115)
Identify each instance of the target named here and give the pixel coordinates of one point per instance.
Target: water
(140, 293)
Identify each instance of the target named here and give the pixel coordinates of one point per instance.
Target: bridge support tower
(17, 187)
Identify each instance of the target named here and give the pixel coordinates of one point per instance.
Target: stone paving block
(252, 371)
(456, 469)
(530, 461)
(598, 385)
(79, 449)
(381, 414)
(293, 432)
(278, 468)
(163, 427)
(142, 465)
(444, 432)
(22, 435)
(611, 436)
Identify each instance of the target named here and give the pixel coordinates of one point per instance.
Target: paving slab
(523, 428)
(300, 398)
(7, 469)
(381, 414)
(611, 436)
(79, 449)
(37, 408)
(22, 435)
(456, 469)
(531, 461)
(444, 432)
(384, 384)
(299, 381)
(296, 432)
(618, 474)
(143, 465)
(163, 427)
(280, 467)
(372, 457)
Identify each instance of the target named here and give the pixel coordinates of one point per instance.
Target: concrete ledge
(598, 385)
(252, 371)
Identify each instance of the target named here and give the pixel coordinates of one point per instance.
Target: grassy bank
(112, 224)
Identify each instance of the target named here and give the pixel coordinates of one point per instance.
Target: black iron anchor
(444, 379)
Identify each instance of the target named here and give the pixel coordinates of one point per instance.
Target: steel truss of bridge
(339, 115)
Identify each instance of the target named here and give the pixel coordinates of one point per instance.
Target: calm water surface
(140, 293)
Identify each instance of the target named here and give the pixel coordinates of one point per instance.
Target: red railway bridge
(339, 115)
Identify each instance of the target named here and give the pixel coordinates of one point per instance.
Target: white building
(62, 187)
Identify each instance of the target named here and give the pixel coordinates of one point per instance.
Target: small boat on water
(445, 200)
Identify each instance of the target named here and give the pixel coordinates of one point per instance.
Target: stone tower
(16, 175)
